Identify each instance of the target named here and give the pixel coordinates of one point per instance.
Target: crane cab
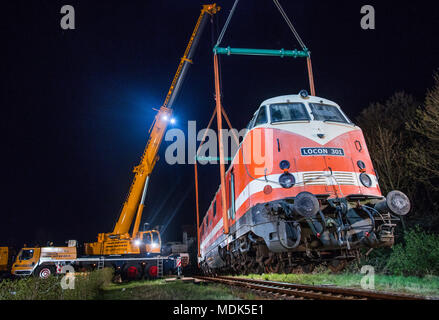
(117, 244)
(149, 241)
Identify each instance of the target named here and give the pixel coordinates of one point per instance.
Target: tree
(403, 140)
(423, 156)
(383, 125)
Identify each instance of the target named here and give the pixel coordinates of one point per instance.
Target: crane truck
(139, 252)
(6, 259)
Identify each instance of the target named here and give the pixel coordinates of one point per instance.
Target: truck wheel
(132, 272)
(44, 272)
(153, 271)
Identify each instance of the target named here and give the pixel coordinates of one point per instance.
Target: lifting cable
(223, 31)
(293, 30)
(301, 43)
(290, 25)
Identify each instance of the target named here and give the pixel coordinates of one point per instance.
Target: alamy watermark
(240, 146)
(68, 19)
(368, 280)
(68, 280)
(368, 20)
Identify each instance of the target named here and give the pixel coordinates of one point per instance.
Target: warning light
(268, 189)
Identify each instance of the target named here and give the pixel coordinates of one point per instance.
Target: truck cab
(26, 261)
(42, 261)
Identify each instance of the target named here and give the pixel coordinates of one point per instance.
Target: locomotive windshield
(283, 112)
(324, 112)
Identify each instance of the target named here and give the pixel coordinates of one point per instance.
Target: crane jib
(186, 61)
(133, 203)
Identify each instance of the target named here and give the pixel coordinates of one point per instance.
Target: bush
(87, 287)
(378, 258)
(418, 255)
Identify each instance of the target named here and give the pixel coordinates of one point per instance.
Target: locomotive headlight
(304, 94)
(361, 165)
(365, 180)
(284, 165)
(287, 180)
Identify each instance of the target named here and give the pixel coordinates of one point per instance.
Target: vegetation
(418, 255)
(402, 135)
(427, 286)
(98, 285)
(86, 287)
(175, 290)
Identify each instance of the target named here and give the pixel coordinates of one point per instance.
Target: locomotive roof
(297, 98)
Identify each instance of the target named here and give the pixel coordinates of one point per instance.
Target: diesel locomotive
(301, 190)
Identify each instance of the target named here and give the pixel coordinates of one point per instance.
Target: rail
(300, 291)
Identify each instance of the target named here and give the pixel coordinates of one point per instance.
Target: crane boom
(134, 202)
(158, 128)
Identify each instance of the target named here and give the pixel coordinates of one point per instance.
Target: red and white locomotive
(300, 190)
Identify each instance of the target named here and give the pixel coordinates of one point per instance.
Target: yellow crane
(120, 241)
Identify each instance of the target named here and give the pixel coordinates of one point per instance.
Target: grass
(426, 286)
(86, 287)
(175, 290)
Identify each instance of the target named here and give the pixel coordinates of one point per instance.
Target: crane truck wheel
(132, 272)
(153, 271)
(44, 272)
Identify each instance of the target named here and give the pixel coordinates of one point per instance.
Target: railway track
(282, 290)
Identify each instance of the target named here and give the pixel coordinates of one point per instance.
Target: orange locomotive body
(300, 190)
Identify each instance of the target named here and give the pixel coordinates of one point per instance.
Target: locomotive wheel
(308, 268)
(286, 269)
(259, 269)
(337, 265)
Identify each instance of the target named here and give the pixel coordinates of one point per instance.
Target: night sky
(77, 104)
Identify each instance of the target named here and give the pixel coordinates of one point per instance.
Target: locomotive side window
(283, 112)
(214, 208)
(262, 116)
(232, 196)
(323, 112)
